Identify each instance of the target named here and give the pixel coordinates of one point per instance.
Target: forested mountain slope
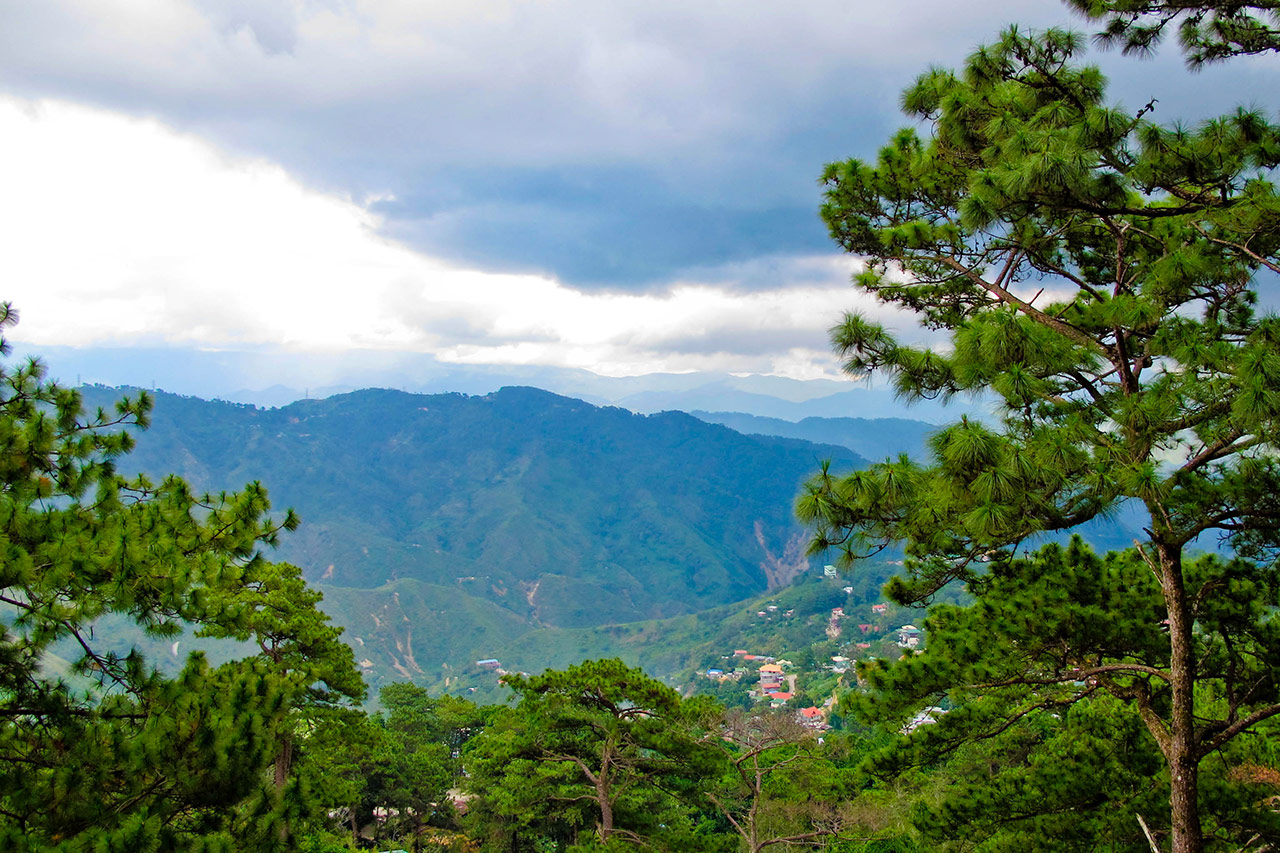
(560, 512)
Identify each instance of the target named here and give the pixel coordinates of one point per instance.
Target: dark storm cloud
(605, 228)
(611, 146)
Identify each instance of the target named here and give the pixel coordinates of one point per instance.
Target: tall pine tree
(597, 746)
(1096, 272)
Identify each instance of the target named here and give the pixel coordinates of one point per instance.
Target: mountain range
(521, 524)
(274, 378)
(558, 511)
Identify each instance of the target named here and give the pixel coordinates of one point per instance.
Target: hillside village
(797, 650)
(857, 632)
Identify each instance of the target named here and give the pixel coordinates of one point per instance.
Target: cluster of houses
(777, 688)
(736, 673)
(774, 685)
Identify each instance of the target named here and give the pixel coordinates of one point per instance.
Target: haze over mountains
(277, 378)
(874, 439)
(447, 528)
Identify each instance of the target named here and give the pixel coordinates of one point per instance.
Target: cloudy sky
(627, 186)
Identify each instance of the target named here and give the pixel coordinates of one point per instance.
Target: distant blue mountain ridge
(274, 378)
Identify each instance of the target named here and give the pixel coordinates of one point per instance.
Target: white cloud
(120, 231)
(526, 136)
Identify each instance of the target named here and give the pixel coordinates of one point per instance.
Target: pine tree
(278, 611)
(1044, 739)
(1208, 30)
(103, 751)
(1095, 271)
(760, 795)
(598, 745)
(275, 609)
(421, 759)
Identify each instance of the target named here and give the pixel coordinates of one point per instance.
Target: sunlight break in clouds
(122, 232)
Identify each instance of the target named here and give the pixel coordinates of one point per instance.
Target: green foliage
(1071, 783)
(1208, 31)
(1049, 675)
(599, 749)
(415, 761)
(1096, 271)
(777, 789)
(416, 718)
(341, 752)
(108, 753)
(278, 611)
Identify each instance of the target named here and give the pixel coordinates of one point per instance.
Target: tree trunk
(1184, 763)
(603, 794)
(757, 793)
(606, 813)
(284, 762)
